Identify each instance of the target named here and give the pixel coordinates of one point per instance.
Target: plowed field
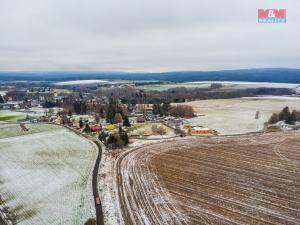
(221, 180)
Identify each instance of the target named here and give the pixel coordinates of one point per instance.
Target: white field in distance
(237, 116)
(245, 84)
(82, 82)
(46, 174)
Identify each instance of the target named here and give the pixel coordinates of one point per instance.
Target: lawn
(134, 127)
(145, 129)
(10, 118)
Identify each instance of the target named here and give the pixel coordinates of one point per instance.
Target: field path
(99, 213)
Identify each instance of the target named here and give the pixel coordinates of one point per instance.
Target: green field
(225, 85)
(10, 118)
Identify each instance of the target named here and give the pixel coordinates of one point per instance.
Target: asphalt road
(99, 213)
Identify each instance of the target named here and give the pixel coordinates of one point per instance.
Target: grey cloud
(147, 35)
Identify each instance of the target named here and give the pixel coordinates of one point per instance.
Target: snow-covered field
(235, 116)
(13, 130)
(46, 175)
(2, 93)
(242, 84)
(81, 82)
(108, 190)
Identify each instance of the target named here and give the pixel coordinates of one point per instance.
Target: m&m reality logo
(272, 15)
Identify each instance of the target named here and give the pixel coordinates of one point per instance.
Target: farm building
(201, 130)
(187, 126)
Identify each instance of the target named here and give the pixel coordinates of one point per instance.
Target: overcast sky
(146, 35)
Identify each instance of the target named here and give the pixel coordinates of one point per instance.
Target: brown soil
(220, 180)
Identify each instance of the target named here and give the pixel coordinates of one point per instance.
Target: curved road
(99, 213)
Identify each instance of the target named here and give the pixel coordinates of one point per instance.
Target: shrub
(90, 221)
(126, 122)
(158, 130)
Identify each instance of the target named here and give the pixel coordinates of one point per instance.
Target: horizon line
(143, 72)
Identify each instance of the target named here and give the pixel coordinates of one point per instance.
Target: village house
(96, 128)
(140, 119)
(11, 105)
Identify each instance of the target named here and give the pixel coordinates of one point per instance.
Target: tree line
(183, 94)
(285, 115)
(180, 110)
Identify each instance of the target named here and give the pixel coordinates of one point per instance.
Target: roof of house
(201, 128)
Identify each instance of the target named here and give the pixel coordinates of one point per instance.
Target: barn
(201, 130)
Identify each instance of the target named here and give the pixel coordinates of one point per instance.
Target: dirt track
(222, 180)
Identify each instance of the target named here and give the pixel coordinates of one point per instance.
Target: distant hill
(251, 75)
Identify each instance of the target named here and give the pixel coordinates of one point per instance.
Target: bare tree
(182, 111)
(274, 118)
(118, 118)
(158, 130)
